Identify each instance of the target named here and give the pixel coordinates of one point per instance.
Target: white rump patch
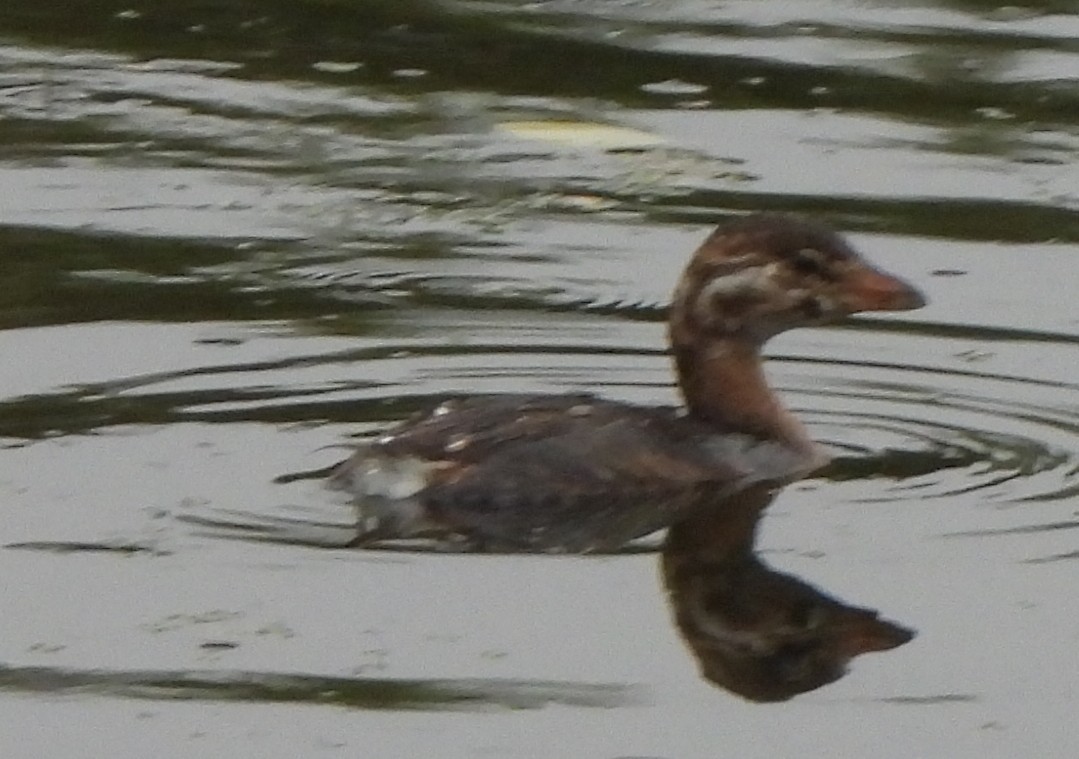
(374, 476)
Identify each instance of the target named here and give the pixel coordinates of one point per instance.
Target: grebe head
(764, 274)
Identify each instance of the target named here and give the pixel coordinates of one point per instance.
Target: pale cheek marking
(756, 282)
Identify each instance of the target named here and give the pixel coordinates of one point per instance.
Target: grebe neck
(723, 382)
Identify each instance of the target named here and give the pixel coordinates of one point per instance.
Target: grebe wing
(542, 473)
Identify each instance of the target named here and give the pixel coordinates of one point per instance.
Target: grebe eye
(809, 261)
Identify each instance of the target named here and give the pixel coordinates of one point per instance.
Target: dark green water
(233, 235)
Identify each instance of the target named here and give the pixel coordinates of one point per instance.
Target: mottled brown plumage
(749, 281)
(563, 473)
(577, 473)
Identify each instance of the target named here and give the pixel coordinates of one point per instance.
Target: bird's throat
(723, 382)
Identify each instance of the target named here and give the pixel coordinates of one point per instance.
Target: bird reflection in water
(761, 634)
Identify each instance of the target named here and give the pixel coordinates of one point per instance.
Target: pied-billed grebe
(577, 473)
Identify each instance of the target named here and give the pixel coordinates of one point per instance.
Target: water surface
(232, 239)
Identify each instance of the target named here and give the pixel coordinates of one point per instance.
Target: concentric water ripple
(928, 431)
(935, 442)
